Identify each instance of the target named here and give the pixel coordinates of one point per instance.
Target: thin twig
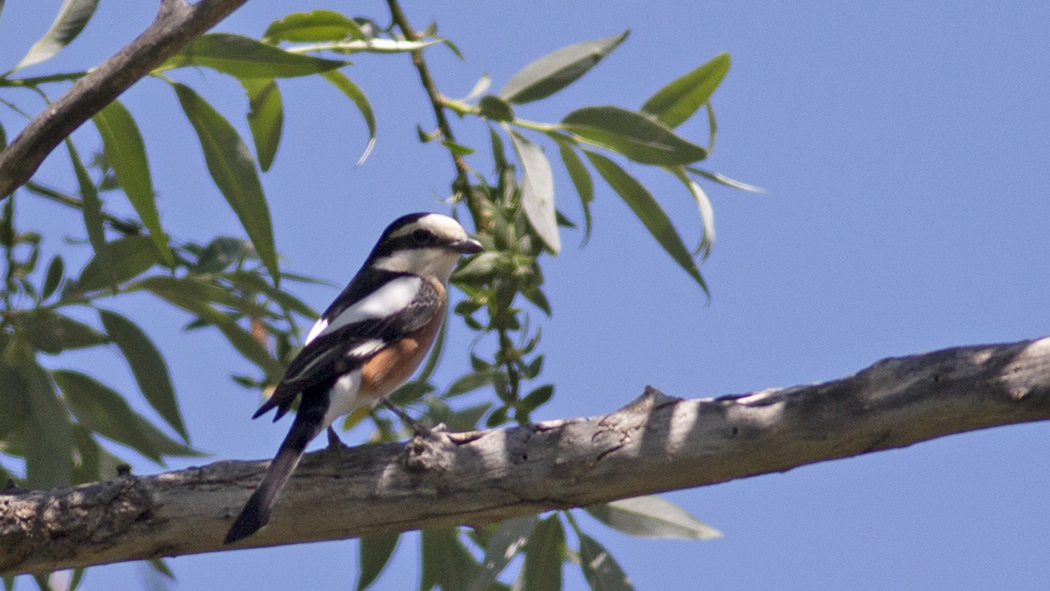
(437, 101)
(124, 226)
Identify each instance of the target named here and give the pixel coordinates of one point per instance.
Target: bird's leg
(418, 429)
(334, 443)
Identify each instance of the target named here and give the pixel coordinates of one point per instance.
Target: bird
(367, 343)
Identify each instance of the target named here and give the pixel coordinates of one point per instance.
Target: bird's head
(425, 244)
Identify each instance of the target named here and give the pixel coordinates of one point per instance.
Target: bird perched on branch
(366, 344)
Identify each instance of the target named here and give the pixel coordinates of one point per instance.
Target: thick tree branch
(654, 444)
(177, 24)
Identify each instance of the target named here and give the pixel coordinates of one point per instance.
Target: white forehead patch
(441, 225)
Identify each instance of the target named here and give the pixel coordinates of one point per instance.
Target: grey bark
(656, 443)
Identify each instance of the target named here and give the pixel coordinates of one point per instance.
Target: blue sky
(906, 150)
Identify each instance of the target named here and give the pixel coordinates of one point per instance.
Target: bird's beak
(467, 246)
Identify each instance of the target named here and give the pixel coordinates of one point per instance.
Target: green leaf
(92, 462)
(180, 290)
(599, 568)
(13, 399)
(148, 367)
(558, 69)
(48, 442)
(581, 179)
(375, 554)
(194, 298)
(161, 566)
(634, 135)
(126, 153)
(471, 382)
(92, 210)
(675, 103)
(536, 398)
(253, 282)
(707, 213)
(724, 180)
(53, 333)
(446, 561)
(357, 96)
(127, 258)
(233, 169)
(102, 410)
(244, 57)
(648, 211)
(265, 117)
(502, 547)
(537, 191)
(544, 554)
(457, 149)
(72, 17)
(493, 107)
(56, 270)
(221, 253)
(467, 419)
(652, 517)
(312, 27)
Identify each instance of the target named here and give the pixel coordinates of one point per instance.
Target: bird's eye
(421, 237)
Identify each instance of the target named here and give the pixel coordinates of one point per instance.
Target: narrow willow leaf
(357, 96)
(493, 107)
(707, 213)
(724, 180)
(537, 190)
(712, 125)
(673, 104)
(126, 153)
(375, 554)
(196, 290)
(102, 410)
(600, 569)
(502, 547)
(161, 566)
(652, 517)
(312, 27)
(470, 382)
(241, 340)
(91, 462)
(148, 367)
(265, 117)
(53, 333)
(244, 57)
(233, 170)
(446, 561)
(126, 258)
(648, 211)
(381, 46)
(92, 211)
(72, 17)
(632, 134)
(56, 271)
(581, 179)
(48, 441)
(544, 554)
(222, 253)
(254, 282)
(558, 69)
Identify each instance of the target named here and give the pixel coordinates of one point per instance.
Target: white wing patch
(366, 348)
(384, 302)
(318, 328)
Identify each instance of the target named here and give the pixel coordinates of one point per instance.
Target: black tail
(256, 512)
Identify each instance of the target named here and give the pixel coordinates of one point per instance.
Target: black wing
(338, 352)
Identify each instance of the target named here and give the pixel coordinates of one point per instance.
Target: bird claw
(334, 443)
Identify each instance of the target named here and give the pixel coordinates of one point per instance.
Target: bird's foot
(334, 443)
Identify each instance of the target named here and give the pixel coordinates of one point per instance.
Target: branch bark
(177, 24)
(656, 443)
